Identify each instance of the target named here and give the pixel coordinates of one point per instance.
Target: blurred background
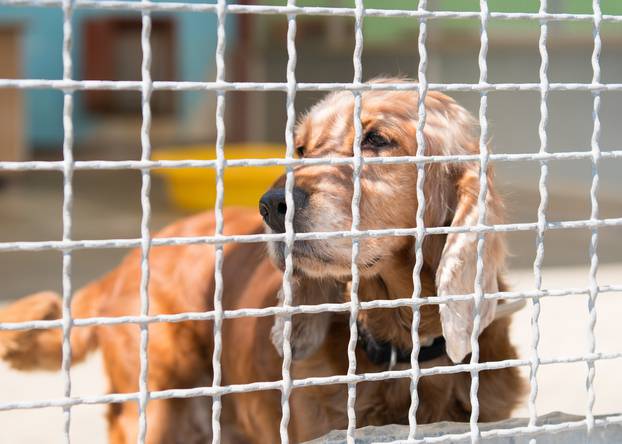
(106, 46)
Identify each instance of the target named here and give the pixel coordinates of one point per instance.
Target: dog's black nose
(272, 207)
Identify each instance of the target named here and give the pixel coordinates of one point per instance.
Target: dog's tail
(34, 349)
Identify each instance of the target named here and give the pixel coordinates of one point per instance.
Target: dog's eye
(300, 150)
(374, 139)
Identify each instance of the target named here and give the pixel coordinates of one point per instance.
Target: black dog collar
(379, 352)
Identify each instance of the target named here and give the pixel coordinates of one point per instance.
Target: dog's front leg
(310, 329)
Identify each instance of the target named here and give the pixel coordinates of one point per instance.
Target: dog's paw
(307, 334)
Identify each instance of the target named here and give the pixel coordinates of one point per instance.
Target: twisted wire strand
(129, 85)
(356, 217)
(593, 282)
(145, 246)
(543, 189)
(68, 169)
(309, 10)
(219, 226)
(420, 223)
(389, 160)
(65, 245)
(307, 382)
(289, 223)
(481, 204)
(303, 309)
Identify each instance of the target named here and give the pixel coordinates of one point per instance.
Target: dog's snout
(272, 207)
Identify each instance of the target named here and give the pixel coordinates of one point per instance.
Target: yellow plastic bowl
(195, 188)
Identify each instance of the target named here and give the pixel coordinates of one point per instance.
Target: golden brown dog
(182, 280)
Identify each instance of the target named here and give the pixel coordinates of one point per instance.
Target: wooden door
(12, 140)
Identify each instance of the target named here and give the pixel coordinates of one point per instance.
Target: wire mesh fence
(220, 86)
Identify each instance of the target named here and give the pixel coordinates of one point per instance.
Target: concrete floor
(107, 205)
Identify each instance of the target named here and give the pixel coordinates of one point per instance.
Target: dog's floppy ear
(456, 270)
(308, 330)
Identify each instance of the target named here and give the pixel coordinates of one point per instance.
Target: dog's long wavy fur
(182, 280)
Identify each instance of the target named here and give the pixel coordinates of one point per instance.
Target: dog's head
(323, 197)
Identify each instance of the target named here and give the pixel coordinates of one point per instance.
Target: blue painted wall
(41, 51)
(42, 59)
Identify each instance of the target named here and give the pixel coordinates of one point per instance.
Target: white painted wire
(481, 204)
(129, 85)
(388, 160)
(419, 223)
(593, 283)
(286, 387)
(219, 226)
(145, 247)
(68, 163)
(302, 309)
(125, 5)
(537, 265)
(307, 382)
(321, 235)
(356, 217)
